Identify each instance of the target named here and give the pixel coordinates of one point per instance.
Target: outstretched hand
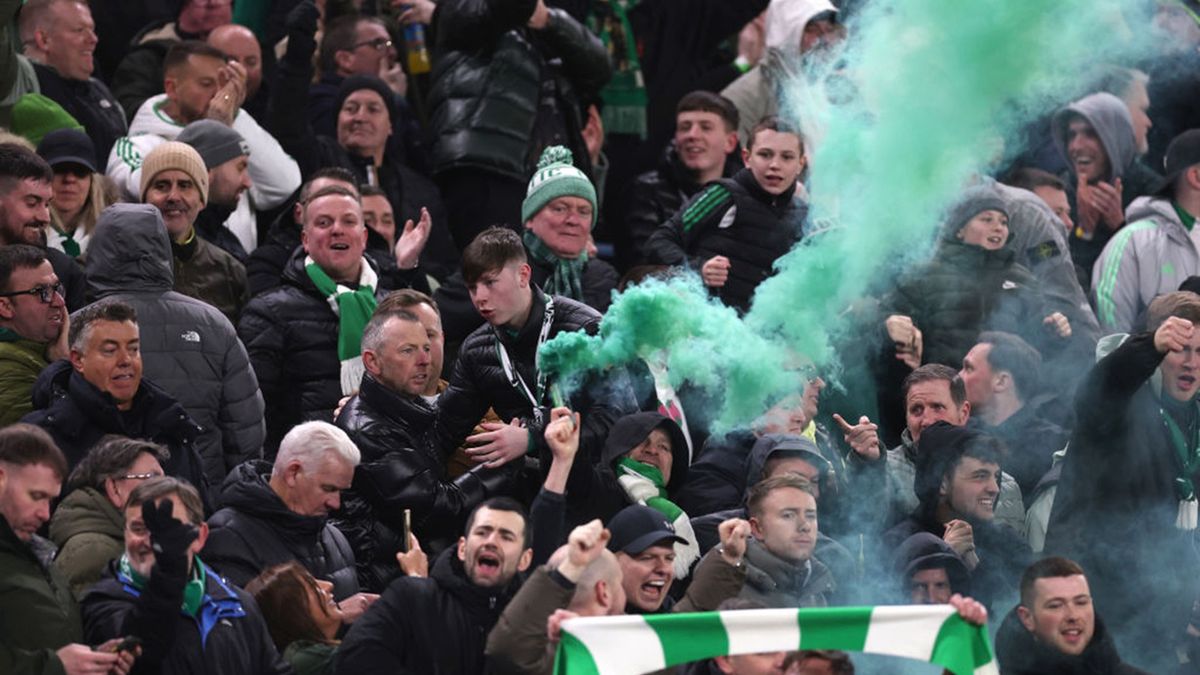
(863, 438)
(412, 241)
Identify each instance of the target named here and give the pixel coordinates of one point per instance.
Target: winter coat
(188, 348)
(89, 533)
(78, 415)
(1031, 440)
(429, 626)
(401, 468)
(20, 362)
(139, 74)
(965, 290)
(657, 195)
(923, 551)
(717, 479)
(228, 634)
(776, 582)
(274, 175)
(735, 218)
(479, 382)
(291, 335)
(1116, 504)
(89, 102)
(71, 275)
(1003, 556)
(254, 530)
(1020, 653)
(1110, 118)
(207, 273)
(490, 76)
(37, 614)
(518, 645)
(1153, 254)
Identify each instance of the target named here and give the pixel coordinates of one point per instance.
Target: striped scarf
(353, 307)
(628, 645)
(566, 275)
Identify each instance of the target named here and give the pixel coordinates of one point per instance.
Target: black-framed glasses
(140, 476)
(44, 292)
(378, 44)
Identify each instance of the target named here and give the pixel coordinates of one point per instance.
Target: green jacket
(37, 614)
(20, 362)
(89, 532)
(310, 658)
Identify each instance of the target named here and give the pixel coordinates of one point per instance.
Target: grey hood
(1109, 116)
(129, 252)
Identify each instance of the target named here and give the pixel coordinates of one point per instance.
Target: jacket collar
(777, 202)
(485, 603)
(409, 411)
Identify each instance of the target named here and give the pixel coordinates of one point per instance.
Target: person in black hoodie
(733, 231)
(440, 624)
(1055, 629)
(705, 148)
(272, 514)
(100, 390)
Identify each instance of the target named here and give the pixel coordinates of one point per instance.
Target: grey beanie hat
(216, 142)
(971, 203)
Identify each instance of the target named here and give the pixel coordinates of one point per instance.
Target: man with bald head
(239, 45)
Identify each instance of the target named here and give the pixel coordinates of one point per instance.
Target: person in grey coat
(189, 348)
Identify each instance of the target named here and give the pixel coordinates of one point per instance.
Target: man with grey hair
(273, 514)
(100, 390)
(402, 468)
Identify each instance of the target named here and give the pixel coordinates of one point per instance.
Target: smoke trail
(941, 82)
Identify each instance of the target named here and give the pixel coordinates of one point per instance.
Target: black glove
(169, 537)
(303, 19)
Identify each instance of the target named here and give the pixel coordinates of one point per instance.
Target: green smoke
(940, 83)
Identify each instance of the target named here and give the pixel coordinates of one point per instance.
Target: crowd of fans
(274, 275)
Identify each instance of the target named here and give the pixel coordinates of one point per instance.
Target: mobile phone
(129, 644)
(406, 528)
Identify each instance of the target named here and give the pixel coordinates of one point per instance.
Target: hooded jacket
(89, 532)
(736, 218)
(291, 336)
(37, 614)
(1110, 118)
(77, 415)
(255, 530)
(923, 551)
(776, 582)
(401, 468)
(20, 362)
(1153, 254)
(1116, 504)
(436, 625)
(189, 348)
(1019, 653)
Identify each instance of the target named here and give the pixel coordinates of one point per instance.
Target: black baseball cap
(68, 146)
(1183, 152)
(636, 528)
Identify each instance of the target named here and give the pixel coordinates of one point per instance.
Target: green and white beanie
(556, 176)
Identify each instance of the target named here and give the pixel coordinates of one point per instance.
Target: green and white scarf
(625, 94)
(193, 591)
(353, 308)
(644, 484)
(567, 278)
(632, 644)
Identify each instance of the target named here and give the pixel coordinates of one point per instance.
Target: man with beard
(440, 624)
(33, 319)
(25, 193)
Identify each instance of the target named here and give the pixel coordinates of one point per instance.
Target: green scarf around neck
(193, 591)
(627, 467)
(354, 308)
(567, 278)
(625, 94)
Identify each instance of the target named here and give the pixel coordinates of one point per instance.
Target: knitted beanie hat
(358, 82)
(177, 156)
(34, 116)
(216, 142)
(556, 176)
(971, 203)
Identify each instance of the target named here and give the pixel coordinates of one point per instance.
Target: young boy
(734, 230)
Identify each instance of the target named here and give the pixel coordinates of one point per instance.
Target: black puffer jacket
(90, 103)
(188, 347)
(657, 195)
(1019, 653)
(766, 226)
(479, 382)
(963, 291)
(489, 72)
(78, 415)
(433, 626)
(255, 530)
(291, 334)
(401, 468)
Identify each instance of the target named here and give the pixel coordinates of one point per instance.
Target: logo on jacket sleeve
(190, 336)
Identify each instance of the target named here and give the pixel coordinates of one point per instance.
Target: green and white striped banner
(630, 645)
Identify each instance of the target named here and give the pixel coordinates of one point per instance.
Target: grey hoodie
(1109, 116)
(188, 347)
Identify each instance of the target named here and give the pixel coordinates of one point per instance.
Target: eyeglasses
(378, 44)
(140, 476)
(44, 292)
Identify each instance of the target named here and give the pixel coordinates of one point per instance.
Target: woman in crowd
(301, 615)
(80, 191)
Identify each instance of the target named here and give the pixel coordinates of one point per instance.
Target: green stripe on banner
(961, 647)
(690, 637)
(571, 652)
(842, 628)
